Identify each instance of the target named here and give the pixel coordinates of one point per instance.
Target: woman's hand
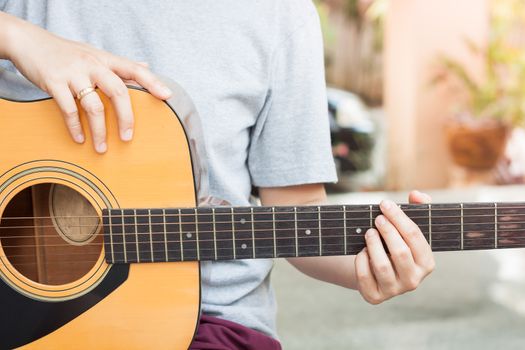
(63, 68)
(380, 276)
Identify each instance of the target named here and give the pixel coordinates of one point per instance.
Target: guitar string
(226, 257)
(250, 256)
(503, 225)
(422, 208)
(302, 236)
(241, 240)
(367, 219)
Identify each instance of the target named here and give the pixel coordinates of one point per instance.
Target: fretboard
(228, 233)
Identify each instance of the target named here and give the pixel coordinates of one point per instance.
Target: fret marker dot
(188, 235)
(307, 232)
(243, 221)
(358, 230)
(243, 246)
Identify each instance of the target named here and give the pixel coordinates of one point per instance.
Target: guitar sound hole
(51, 234)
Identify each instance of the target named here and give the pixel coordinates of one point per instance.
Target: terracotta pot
(477, 144)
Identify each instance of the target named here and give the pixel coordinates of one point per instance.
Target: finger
(130, 82)
(410, 232)
(113, 87)
(68, 107)
(97, 120)
(142, 75)
(144, 64)
(381, 265)
(365, 278)
(416, 197)
(94, 108)
(400, 253)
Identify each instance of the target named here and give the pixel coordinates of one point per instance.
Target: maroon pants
(217, 334)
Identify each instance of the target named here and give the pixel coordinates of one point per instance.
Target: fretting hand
(381, 276)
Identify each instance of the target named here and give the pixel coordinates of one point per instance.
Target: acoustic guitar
(102, 251)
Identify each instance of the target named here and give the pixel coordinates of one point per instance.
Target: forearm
(339, 270)
(377, 275)
(9, 26)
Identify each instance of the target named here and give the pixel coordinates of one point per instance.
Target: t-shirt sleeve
(290, 142)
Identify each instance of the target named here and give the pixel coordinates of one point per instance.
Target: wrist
(10, 30)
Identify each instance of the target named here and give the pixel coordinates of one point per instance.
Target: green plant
(500, 93)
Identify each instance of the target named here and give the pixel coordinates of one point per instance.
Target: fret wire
(111, 236)
(253, 233)
(214, 232)
(295, 226)
(197, 234)
(430, 225)
(150, 235)
(180, 234)
(320, 233)
(461, 206)
(371, 217)
(496, 225)
(233, 235)
(136, 233)
(124, 240)
(165, 233)
(274, 238)
(344, 227)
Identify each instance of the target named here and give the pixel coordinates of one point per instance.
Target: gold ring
(84, 92)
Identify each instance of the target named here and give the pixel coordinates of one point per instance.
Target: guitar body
(90, 304)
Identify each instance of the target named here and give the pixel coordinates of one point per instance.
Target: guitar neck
(229, 233)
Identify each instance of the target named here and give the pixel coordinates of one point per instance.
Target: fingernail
(165, 91)
(102, 147)
(127, 135)
(387, 204)
(370, 234)
(380, 220)
(79, 138)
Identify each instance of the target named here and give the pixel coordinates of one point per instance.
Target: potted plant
(478, 132)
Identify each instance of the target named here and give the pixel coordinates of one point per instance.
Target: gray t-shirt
(254, 69)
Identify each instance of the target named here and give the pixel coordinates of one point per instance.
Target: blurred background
(426, 95)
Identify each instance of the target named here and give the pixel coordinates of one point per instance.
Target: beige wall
(417, 32)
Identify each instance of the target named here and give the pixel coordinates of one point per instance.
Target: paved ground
(474, 300)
